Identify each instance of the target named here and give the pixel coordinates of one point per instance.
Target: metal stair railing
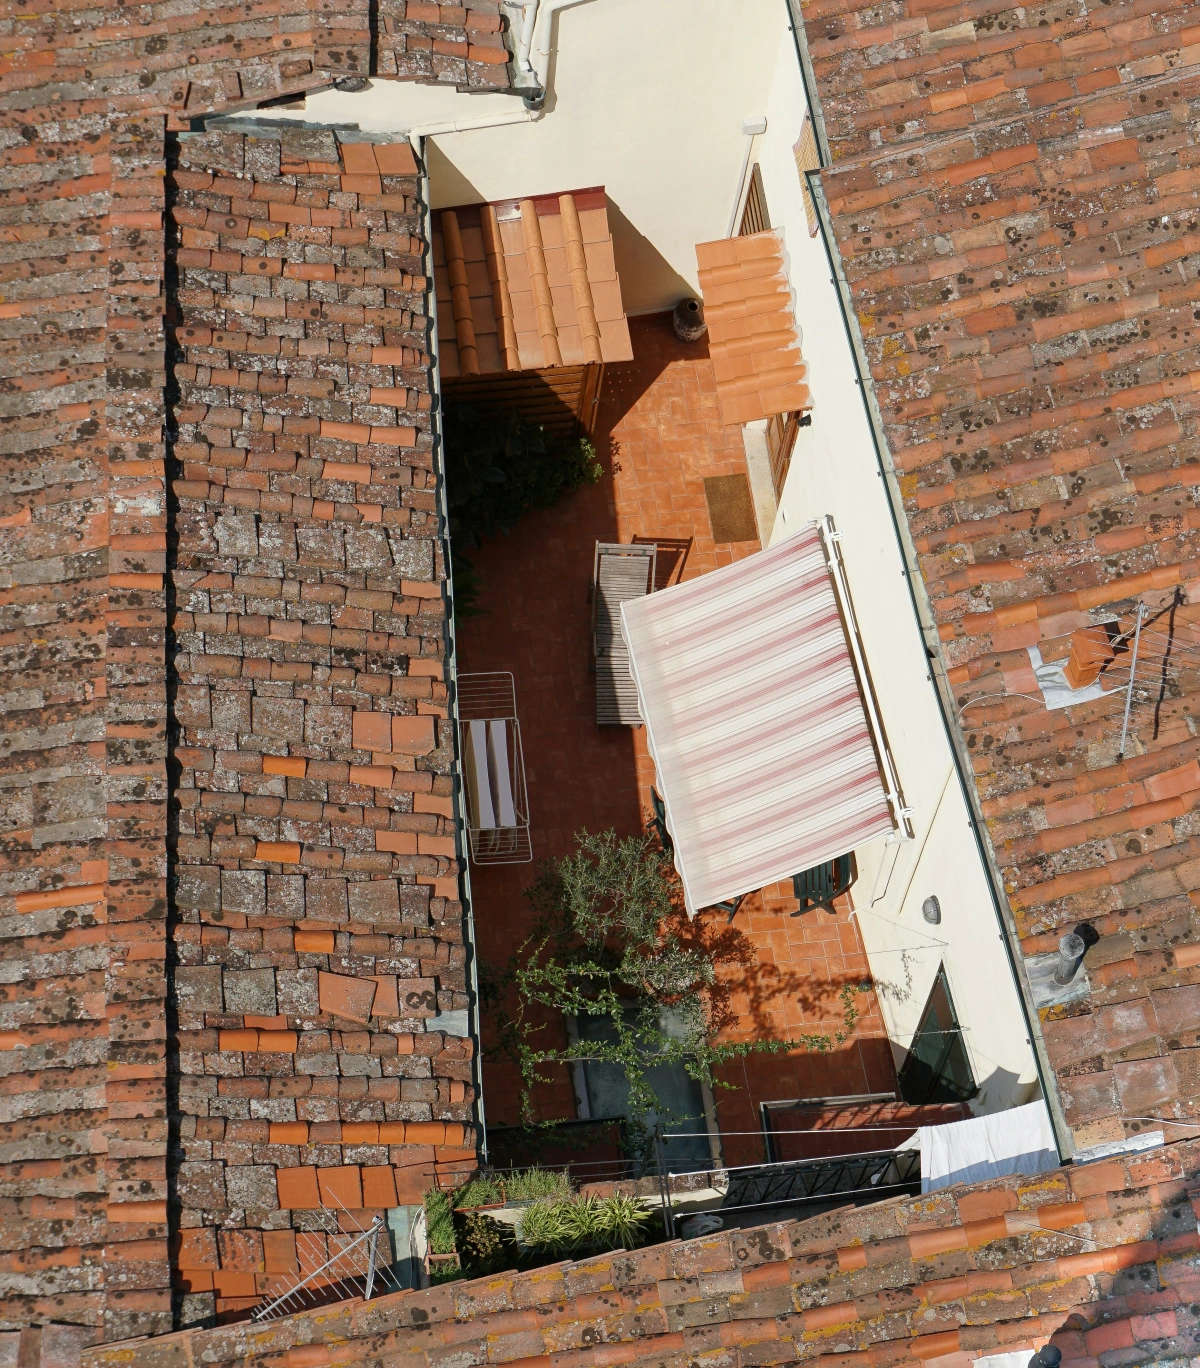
(806, 1180)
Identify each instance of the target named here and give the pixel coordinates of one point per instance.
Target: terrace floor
(659, 435)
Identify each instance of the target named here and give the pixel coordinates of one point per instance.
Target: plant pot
(433, 1259)
(688, 320)
(487, 1206)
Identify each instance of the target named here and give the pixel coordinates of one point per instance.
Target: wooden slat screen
(755, 218)
(781, 438)
(563, 399)
(805, 152)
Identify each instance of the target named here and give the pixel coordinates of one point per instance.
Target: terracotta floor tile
(659, 433)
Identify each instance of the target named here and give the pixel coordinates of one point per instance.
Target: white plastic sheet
(1017, 1141)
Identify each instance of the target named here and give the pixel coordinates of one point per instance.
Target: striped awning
(766, 758)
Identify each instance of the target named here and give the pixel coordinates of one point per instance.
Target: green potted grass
(492, 1191)
(579, 1226)
(441, 1259)
(482, 1193)
(522, 1186)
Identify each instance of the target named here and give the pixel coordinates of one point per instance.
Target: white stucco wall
(647, 98)
(834, 470)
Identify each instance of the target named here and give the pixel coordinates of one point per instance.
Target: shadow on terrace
(659, 436)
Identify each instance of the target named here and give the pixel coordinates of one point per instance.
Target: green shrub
(530, 1185)
(612, 943)
(582, 1225)
(485, 1246)
(498, 469)
(439, 1222)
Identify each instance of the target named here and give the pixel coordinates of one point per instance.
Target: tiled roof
(945, 70)
(1015, 195)
(528, 284)
(753, 338)
(91, 795)
(324, 1056)
(1100, 1260)
(198, 58)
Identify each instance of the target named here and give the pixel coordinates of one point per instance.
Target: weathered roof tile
(1024, 293)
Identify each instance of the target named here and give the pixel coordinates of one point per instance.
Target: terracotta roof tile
(753, 338)
(101, 1155)
(1095, 1260)
(528, 284)
(1015, 204)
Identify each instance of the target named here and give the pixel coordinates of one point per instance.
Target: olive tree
(611, 940)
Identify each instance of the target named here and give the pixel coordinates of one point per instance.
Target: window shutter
(805, 152)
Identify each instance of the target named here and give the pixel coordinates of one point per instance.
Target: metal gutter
(918, 596)
(439, 469)
(808, 76)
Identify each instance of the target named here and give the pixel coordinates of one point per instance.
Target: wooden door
(781, 438)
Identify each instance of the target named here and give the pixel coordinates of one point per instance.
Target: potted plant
(579, 1226)
(441, 1259)
(523, 1186)
(484, 1192)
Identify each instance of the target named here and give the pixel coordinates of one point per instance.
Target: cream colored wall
(834, 470)
(647, 99)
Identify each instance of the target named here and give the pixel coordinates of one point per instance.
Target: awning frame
(831, 540)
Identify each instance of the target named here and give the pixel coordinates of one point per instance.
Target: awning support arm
(901, 814)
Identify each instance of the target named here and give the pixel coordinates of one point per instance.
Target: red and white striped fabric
(755, 723)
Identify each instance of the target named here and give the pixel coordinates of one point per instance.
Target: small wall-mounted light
(931, 910)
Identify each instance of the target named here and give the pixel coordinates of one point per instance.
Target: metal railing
(795, 1182)
(338, 1273)
(879, 1173)
(303, 1293)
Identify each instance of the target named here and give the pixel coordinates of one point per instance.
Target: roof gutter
(535, 12)
(524, 65)
(533, 59)
(474, 1022)
(922, 610)
(419, 132)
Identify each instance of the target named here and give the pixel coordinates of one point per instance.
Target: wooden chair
(817, 887)
(618, 573)
(731, 906)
